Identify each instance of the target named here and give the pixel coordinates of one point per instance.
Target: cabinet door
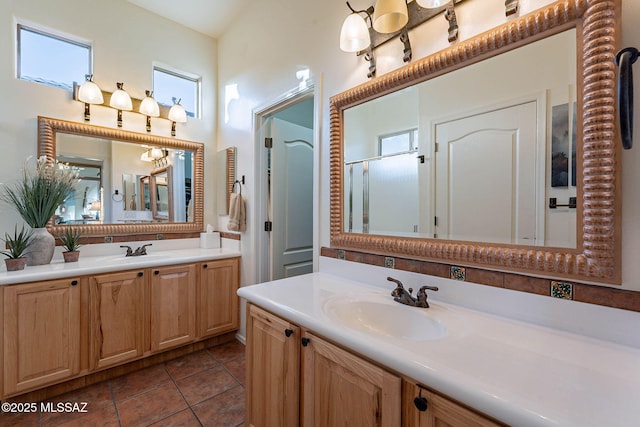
(41, 333)
(424, 408)
(342, 389)
(273, 370)
(218, 303)
(173, 303)
(116, 318)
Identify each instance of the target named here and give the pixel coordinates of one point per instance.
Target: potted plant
(71, 241)
(36, 196)
(16, 248)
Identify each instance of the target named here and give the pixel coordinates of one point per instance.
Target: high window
(398, 143)
(51, 59)
(170, 85)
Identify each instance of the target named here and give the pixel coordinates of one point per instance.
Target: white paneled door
(487, 177)
(291, 191)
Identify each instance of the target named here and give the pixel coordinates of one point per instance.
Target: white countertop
(105, 263)
(519, 373)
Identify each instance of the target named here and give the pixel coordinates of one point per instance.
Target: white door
(291, 191)
(486, 176)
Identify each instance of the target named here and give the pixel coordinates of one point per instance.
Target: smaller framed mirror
(161, 199)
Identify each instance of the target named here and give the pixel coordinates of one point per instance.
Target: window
(168, 85)
(398, 143)
(51, 59)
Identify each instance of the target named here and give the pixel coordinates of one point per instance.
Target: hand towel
(237, 214)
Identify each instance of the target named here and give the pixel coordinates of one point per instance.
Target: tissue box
(210, 240)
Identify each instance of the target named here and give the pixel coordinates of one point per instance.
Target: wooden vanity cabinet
(218, 305)
(424, 408)
(173, 306)
(296, 378)
(63, 329)
(117, 313)
(340, 388)
(41, 333)
(273, 370)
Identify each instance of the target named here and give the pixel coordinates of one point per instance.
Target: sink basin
(378, 314)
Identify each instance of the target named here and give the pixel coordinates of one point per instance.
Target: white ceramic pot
(40, 250)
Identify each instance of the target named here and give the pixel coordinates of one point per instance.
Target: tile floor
(205, 388)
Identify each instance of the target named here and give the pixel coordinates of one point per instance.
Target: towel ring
(237, 181)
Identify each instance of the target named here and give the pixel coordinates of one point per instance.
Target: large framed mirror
(131, 183)
(500, 152)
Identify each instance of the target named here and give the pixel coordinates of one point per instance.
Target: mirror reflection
(479, 164)
(124, 182)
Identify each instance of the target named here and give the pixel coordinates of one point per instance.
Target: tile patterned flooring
(205, 388)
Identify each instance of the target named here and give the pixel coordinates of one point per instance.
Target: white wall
(127, 40)
(286, 35)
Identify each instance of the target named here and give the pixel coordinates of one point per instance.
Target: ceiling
(210, 17)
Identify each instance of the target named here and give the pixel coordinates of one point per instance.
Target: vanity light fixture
(120, 100)
(394, 18)
(355, 36)
(89, 93)
(150, 108)
(177, 114)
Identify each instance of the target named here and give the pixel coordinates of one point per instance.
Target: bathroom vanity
(326, 350)
(67, 320)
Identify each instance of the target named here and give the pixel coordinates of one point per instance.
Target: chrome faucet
(142, 250)
(403, 296)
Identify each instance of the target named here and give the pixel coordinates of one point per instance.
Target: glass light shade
(390, 16)
(90, 93)
(177, 114)
(354, 35)
(430, 4)
(149, 106)
(120, 99)
(157, 153)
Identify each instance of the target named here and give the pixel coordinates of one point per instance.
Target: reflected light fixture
(120, 100)
(177, 114)
(150, 108)
(390, 16)
(89, 93)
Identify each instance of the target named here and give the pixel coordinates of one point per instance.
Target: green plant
(18, 243)
(70, 239)
(40, 191)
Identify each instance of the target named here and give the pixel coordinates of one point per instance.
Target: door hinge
(436, 147)
(435, 221)
(268, 143)
(268, 226)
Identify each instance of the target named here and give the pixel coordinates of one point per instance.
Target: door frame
(260, 116)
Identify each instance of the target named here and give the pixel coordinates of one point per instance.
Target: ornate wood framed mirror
(119, 152)
(594, 253)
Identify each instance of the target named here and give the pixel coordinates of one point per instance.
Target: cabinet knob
(421, 403)
(74, 282)
(156, 272)
(288, 332)
(305, 341)
(205, 266)
(140, 274)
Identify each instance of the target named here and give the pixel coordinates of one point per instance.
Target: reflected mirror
(477, 164)
(465, 185)
(124, 177)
